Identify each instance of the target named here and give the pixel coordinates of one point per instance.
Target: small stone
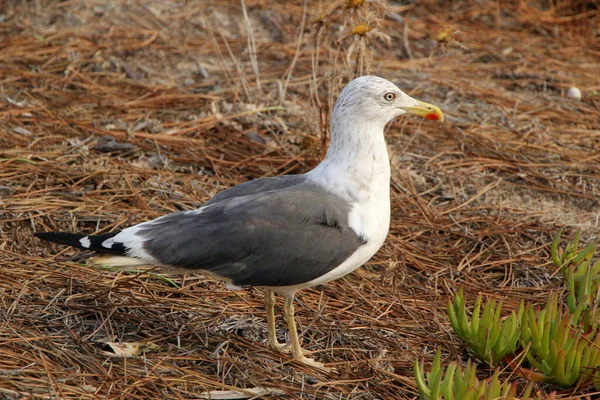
(108, 144)
(202, 71)
(574, 93)
(22, 131)
(189, 82)
(255, 137)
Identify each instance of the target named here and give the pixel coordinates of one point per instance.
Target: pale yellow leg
(270, 306)
(296, 349)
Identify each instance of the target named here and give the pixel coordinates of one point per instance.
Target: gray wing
(258, 186)
(278, 238)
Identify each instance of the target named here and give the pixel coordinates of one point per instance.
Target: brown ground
(475, 199)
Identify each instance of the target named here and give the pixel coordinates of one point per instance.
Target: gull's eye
(389, 96)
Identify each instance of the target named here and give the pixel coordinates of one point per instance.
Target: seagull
(283, 233)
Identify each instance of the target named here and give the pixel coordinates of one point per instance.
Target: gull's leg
(270, 306)
(296, 349)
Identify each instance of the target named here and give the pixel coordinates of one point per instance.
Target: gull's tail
(92, 242)
(123, 248)
(99, 244)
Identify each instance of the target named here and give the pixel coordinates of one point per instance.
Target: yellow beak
(426, 110)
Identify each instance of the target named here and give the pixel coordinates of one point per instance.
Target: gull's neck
(357, 163)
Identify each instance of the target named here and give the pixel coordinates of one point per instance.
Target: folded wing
(268, 232)
(276, 238)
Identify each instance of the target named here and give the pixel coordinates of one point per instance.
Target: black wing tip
(71, 239)
(50, 235)
(44, 235)
(74, 239)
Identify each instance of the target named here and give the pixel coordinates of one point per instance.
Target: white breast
(369, 218)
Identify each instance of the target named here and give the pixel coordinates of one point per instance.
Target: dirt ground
(116, 112)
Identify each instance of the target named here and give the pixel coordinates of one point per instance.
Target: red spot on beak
(432, 117)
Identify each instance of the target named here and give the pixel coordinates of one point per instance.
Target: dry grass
(475, 200)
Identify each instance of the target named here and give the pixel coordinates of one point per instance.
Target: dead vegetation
(112, 113)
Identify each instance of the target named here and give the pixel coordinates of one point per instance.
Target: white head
(363, 109)
(378, 101)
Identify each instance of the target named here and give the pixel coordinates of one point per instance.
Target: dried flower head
(360, 30)
(354, 3)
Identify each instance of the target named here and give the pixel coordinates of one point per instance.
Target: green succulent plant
(556, 346)
(582, 279)
(487, 335)
(455, 383)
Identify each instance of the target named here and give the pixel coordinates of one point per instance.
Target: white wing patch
(133, 242)
(108, 243)
(85, 242)
(355, 221)
(197, 211)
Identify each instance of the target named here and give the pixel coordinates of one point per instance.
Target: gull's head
(378, 101)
